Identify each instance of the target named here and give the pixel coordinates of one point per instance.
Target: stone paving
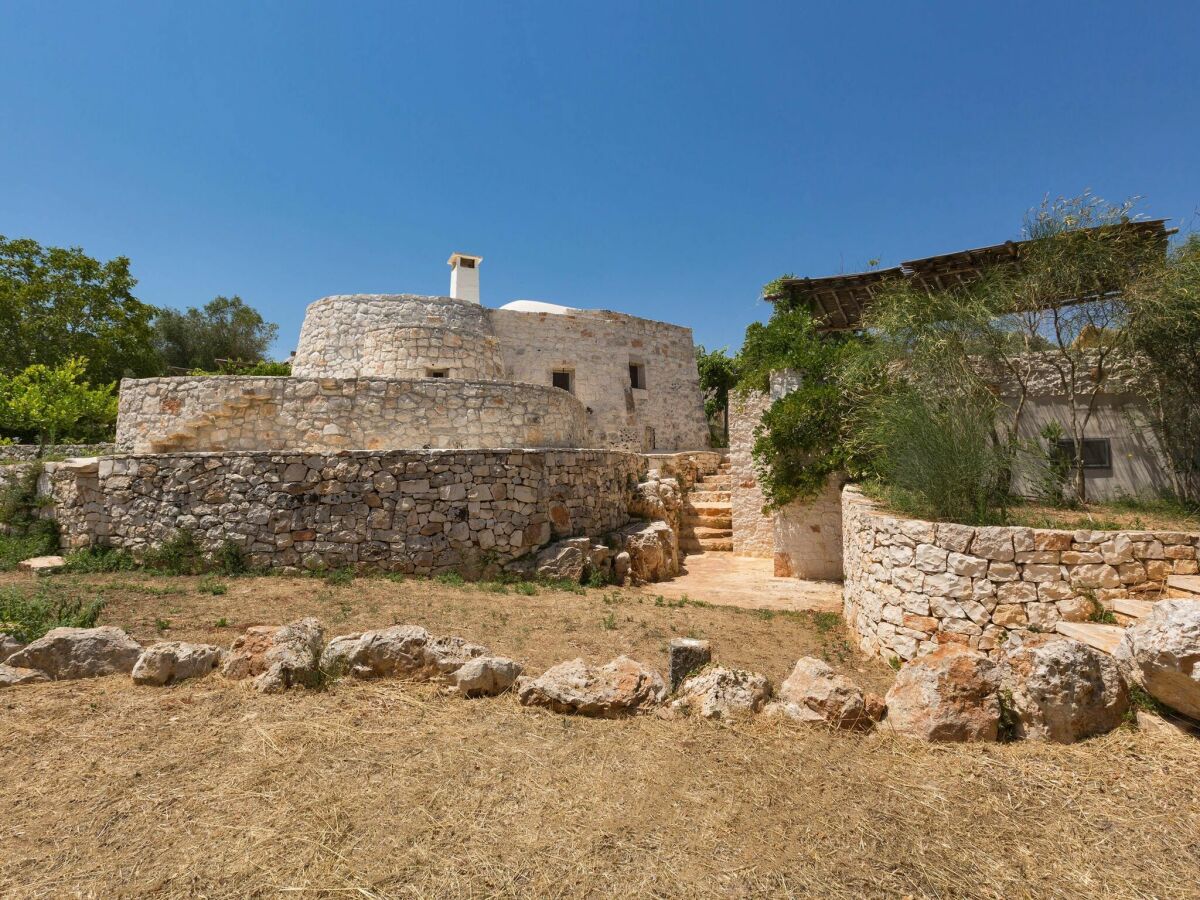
(727, 580)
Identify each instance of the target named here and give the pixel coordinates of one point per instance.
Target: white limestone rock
(172, 661)
(8, 646)
(401, 651)
(723, 693)
(485, 676)
(1162, 653)
(814, 692)
(278, 657)
(66, 653)
(951, 694)
(1061, 690)
(11, 676)
(620, 687)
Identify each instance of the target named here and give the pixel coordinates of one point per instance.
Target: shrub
(98, 559)
(29, 616)
(180, 555)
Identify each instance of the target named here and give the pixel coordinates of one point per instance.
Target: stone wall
(418, 512)
(29, 452)
(911, 585)
(273, 413)
(753, 532)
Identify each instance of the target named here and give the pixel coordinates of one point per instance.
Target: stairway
(1126, 611)
(708, 514)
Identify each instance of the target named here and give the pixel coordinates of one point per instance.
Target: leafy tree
(718, 375)
(58, 303)
(226, 330)
(55, 402)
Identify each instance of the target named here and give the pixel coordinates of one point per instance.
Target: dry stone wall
(273, 413)
(911, 585)
(417, 512)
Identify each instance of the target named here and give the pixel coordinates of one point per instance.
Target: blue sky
(662, 159)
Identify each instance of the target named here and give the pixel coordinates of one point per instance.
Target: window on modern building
(637, 376)
(1097, 452)
(563, 378)
(437, 373)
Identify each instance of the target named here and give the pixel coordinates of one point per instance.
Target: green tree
(226, 330)
(55, 403)
(718, 375)
(57, 303)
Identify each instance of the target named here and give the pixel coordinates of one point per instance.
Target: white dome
(537, 306)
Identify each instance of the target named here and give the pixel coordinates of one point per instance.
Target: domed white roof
(537, 306)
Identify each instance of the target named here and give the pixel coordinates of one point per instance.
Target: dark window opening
(467, 263)
(1097, 453)
(564, 379)
(637, 376)
(437, 373)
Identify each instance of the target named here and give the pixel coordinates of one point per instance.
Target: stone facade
(29, 452)
(418, 512)
(753, 532)
(912, 585)
(320, 414)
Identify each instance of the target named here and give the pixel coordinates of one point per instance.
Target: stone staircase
(194, 433)
(1106, 637)
(708, 515)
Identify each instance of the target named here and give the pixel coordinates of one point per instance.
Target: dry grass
(1148, 516)
(392, 790)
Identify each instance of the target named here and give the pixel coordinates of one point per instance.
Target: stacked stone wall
(29, 452)
(275, 413)
(911, 585)
(417, 512)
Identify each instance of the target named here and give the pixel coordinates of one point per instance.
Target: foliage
(718, 376)
(225, 332)
(57, 304)
(28, 617)
(26, 535)
(1164, 332)
(56, 403)
(98, 559)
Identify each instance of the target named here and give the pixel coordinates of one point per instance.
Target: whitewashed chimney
(464, 276)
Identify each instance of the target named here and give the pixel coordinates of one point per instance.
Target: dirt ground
(389, 789)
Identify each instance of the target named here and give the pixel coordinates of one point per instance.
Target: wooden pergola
(838, 301)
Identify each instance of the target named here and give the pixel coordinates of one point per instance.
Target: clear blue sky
(663, 159)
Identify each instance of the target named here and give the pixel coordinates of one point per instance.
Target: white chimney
(464, 276)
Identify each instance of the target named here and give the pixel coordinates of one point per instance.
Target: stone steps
(1133, 609)
(702, 497)
(1186, 585)
(707, 522)
(1104, 638)
(706, 545)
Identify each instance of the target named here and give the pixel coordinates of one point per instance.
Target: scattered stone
(1161, 651)
(11, 676)
(722, 693)
(172, 661)
(278, 657)
(685, 656)
(564, 559)
(617, 688)
(402, 651)
(951, 694)
(1061, 690)
(448, 654)
(485, 676)
(65, 653)
(816, 693)
(8, 646)
(621, 563)
(42, 565)
(653, 549)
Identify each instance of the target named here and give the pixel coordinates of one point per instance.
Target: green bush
(29, 616)
(98, 559)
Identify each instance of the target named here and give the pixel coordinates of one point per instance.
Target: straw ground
(389, 789)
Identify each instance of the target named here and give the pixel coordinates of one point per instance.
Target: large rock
(564, 560)
(8, 646)
(721, 693)
(815, 693)
(952, 694)
(1162, 653)
(656, 498)
(172, 661)
(42, 565)
(617, 688)
(653, 549)
(278, 657)
(80, 653)
(685, 656)
(485, 676)
(11, 676)
(402, 651)
(1061, 690)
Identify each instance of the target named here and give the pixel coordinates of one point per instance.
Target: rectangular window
(1097, 452)
(637, 376)
(437, 373)
(564, 379)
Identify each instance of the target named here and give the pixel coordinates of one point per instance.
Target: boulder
(563, 559)
(721, 693)
(485, 676)
(278, 656)
(656, 498)
(617, 688)
(402, 651)
(816, 693)
(1161, 652)
(952, 694)
(172, 661)
(42, 565)
(8, 646)
(10, 676)
(685, 656)
(653, 549)
(1061, 690)
(64, 653)
(621, 567)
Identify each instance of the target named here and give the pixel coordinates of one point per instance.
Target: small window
(1097, 452)
(564, 379)
(637, 376)
(466, 263)
(437, 373)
